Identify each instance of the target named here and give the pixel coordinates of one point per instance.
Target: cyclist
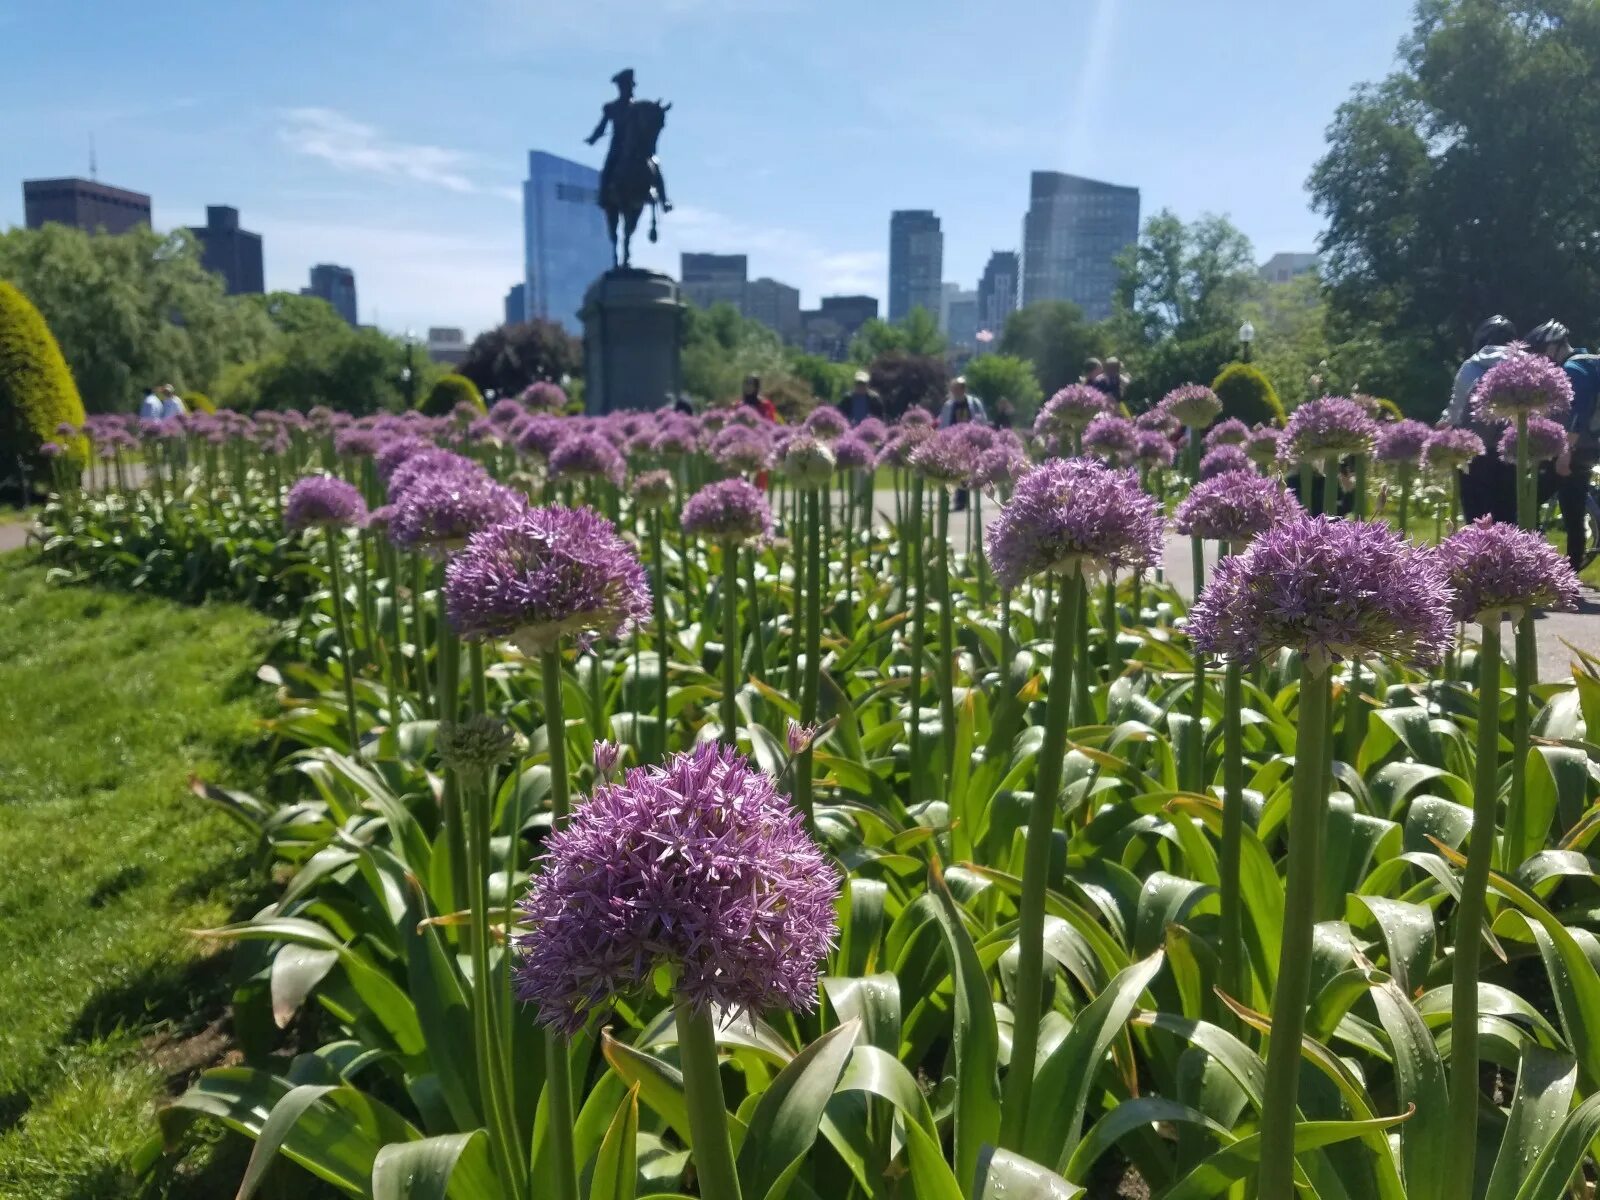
(1573, 470)
(1488, 485)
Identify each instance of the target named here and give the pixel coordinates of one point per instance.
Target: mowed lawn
(108, 702)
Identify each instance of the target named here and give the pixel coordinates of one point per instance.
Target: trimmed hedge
(198, 402)
(1247, 393)
(37, 391)
(450, 391)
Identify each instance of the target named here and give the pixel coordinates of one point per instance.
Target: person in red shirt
(754, 399)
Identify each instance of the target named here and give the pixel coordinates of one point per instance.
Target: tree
(1181, 282)
(316, 358)
(906, 381)
(721, 347)
(1247, 394)
(36, 389)
(510, 357)
(1174, 362)
(827, 380)
(917, 334)
(1464, 185)
(998, 379)
(1055, 338)
(447, 392)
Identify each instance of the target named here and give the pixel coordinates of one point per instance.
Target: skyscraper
(1286, 264)
(1074, 230)
(997, 291)
(829, 327)
(566, 247)
(916, 262)
(84, 203)
(517, 304)
(231, 252)
(776, 305)
(714, 279)
(961, 319)
(336, 285)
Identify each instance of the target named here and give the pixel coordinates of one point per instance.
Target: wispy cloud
(354, 146)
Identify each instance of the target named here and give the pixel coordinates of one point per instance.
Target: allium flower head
(1497, 570)
(807, 462)
(1109, 437)
(1234, 507)
(1157, 420)
(1223, 459)
(1546, 440)
(1331, 428)
(653, 489)
(743, 449)
(850, 453)
(731, 511)
(477, 743)
(52, 449)
(675, 438)
(1074, 514)
(396, 451)
(799, 737)
(1229, 432)
(1452, 449)
(1152, 448)
(1262, 444)
(899, 446)
(426, 464)
(606, 757)
(1070, 410)
(872, 431)
(1329, 588)
(543, 397)
(916, 418)
(826, 422)
(1401, 443)
(1522, 383)
(1193, 405)
(545, 573)
(587, 456)
(697, 865)
(322, 502)
(440, 512)
(540, 435)
(1000, 466)
(949, 457)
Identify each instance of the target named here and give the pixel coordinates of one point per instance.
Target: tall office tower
(916, 262)
(1074, 230)
(336, 285)
(565, 244)
(709, 279)
(86, 204)
(997, 291)
(231, 252)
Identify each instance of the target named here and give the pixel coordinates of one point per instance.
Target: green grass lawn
(108, 702)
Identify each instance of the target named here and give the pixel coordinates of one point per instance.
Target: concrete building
(1074, 230)
(85, 204)
(827, 329)
(776, 305)
(709, 279)
(960, 322)
(231, 252)
(447, 344)
(997, 291)
(916, 262)
(565, 244)
(1287, 264)
(336, 285)
(517, 304)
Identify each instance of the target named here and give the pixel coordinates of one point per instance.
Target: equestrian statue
(631, 177)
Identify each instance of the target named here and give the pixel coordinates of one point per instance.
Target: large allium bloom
(1234, 507)
(949, 457)
(1070, 410)
(1110, 437)
(1074, 513)
(1333, 427)
(1193, 405)
(741, 448)
(916, 418)
(396, 451)
(505, 412)
(1223, 459)
(1329, 588)
(899, 446)
(355, 441)
(698, 866)
(653, 489)
(543, 397)
(1497, 570)
(1153, 448)
(826, 422)
(322, 502)
(1452, 449)
(1262, 444)
(427, 463)
(1546, 440)
(1230, 432)
(807, 462)
(676, 438)
(872, 431)
(731, 510)
(1000, 466)
(851, 453)
(545, 573)
(1157, 420)
(440, 512)
(1522, 383)
(587, 456)
(540, 435)
(1401, 443)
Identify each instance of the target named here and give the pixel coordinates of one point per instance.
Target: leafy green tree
(1291, 346)
(510, 357)
(1054, 336)
(1175, 361)
(36, 389)
(827, 380)
(906, 381)
(1247, 393)
(1004, 379)
(316, 358)
(1181, 282)
(918, 334)
(721, 347)
(1464, 185)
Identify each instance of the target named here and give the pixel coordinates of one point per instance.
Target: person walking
(172, 404)
(752, 398)
(1111, 380)
(862, 402)
(1573, 471)
(150, 406)
(1489, 484)
(960, 409)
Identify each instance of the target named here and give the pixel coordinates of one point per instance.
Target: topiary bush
(1247, 393)
(450, 391)
(198, 402)
(37, 391)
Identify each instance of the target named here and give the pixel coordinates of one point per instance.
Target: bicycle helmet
(1496, 331)
(1551, 333)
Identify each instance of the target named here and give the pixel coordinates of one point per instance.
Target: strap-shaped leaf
(789, 1114)
(454, 1165)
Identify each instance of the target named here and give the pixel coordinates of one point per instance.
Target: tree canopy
(1054, 336)
(508, 358)
(918, 334)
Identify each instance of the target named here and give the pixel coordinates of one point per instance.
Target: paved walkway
(14, 535)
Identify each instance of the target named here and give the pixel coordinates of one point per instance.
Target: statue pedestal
(632, 325)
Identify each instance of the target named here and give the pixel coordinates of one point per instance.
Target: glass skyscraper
(1074, 230)
(566, 247)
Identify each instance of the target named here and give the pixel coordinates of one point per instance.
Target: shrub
(37, 392)
(198, 402)
(1247, 393)
(449, 391)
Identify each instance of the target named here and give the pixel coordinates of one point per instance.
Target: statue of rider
(618, 114)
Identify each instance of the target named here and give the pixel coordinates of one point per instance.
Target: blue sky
(393, 137)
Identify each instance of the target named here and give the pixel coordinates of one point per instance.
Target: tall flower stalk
(332, 505)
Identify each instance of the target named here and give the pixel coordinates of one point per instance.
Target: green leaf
(616, 1167)
(931, 1178)
(1126, 1118)
(1545, 1085)
(454, 1165)
(285, 1115)
(874, 1000)
(1420, 1084)
(1219, 1172)
(1006, 1176)
(789, 1114)
(1563, 1155)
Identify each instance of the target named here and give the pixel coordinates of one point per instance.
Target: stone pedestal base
(632, 325)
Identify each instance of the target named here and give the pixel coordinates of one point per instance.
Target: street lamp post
(1247, 335)
(409, 375)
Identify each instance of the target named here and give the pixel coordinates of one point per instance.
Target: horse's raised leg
(611, 228)
(632, 223)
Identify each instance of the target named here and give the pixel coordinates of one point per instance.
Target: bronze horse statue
(631, 177)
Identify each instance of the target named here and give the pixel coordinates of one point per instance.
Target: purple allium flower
(799, 736)
(948, 457)
(1522, 383)
(52, 449)
(1452, 449)
(353, 441)
(1070, 410)
(1262, 444)
(544, 573)
(1498, 570)
(1193, 405)
(606, 757)
(1153, 448)
(1329, 588)
(1401, 443)
(1228, 432)
(1074, 513)
(1224, 458)
(899, 446)
(653, 489)
(1157, 420)
(1234, 507)
(439, 512)
(543, 397)
(322, 502)
(1000, 466)
(1331, 428)
(427, 463)
(396, 451)
(731, 511)
(1546, 440)
(1109, 437)
(826, 422)
(872, 431)
(675, 438)
(66, 429)
(916, 418)
(742, 449)
(850, 453)
(807, 462)
(504, 412)
(587, 456)
(698, 865)
(540, 435)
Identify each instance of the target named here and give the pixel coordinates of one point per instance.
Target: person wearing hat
(617, 113)
(959, 409)
(862, 402)
(1111, 380)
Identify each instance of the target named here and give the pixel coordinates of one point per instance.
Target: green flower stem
(946, 682)
(1307, 485)
(1005, 631)
(479, 681)
(982, 555)
(1526, 670)
(1028, 1002)
(369, 624)
(1232, 975)
(1355, 715)
(730, 642)
(1306, 816)
(397, 679)
(558, 1063)
(1405, 500)
(758, 652)
(419, 638)
(801, 560)
(658, 601)
(1455, 500)
(1358, 507)
(918, 633)
(813, 661)
(1195, 735)
(1109, 619)
(708, 1111)
(1469, 923)
(341, 622)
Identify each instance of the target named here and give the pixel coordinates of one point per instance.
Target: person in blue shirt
(1573, 470)
(1488, 484)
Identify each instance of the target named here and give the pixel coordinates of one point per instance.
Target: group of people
(1489, 484)
(161, 403)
